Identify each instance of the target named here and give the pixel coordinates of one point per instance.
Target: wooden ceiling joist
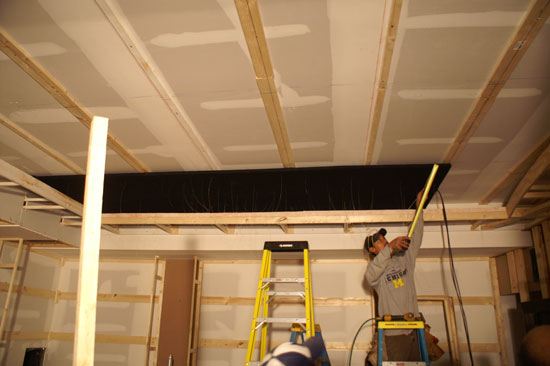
(148, 66)
(535, 171)
(516, 172)
(376, 115)
(251, 23)
(62, 96)
(40, 145)
(526, 33)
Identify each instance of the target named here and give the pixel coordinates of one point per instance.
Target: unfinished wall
(45, 310)
(342, 304)
(123, 307)
(31, 307)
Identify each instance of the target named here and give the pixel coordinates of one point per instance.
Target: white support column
(86, 303)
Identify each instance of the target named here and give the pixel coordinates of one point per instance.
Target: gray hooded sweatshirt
(392, 276)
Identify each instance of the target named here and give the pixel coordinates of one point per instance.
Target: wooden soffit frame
(297, 217)
(533, 21)
(62, 96)
(251, 23)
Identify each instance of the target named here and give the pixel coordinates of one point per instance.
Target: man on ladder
(391, 274)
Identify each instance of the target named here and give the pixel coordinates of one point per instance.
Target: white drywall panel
(434, 278)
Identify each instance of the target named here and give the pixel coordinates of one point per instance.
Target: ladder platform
(281, 320)
(286, 246)
(285, 280)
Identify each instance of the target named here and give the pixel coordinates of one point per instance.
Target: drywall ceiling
(351, 82)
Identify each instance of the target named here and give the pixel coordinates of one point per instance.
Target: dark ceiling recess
(298, 189)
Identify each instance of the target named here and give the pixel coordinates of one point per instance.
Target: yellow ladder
(13, 266)
(264, 295)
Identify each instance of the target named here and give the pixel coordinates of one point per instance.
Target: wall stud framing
(542, 264)
(498, 313)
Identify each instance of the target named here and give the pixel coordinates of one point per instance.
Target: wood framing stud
(251, 23)
(40, 145)
(156, 78)
(169, 229)
(516, 172)
(34, 185)
(498, 313)
(542, 264)
(61, 95)
(533, 21)
(535, 171)
(299, 218)
(546, 237)
(521, 271)
(86, 303)
(376, 115)
(228, 229)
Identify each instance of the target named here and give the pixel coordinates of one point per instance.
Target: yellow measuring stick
(424, 197)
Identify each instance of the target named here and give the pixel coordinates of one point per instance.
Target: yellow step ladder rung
(265, 294)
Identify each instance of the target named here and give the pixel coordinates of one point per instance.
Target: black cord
(455, 280)
(355, 338)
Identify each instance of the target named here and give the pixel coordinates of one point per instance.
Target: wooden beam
(546, 237)
(537, 221)
(169, 229)
(533, 21)
(156, 78)
(228, 229)
(86, 303)
(535, 195)
(516, 172)
(40, 145)
(61, 95)
(287, 229)
(542, 264)
(151, 311)
(251, 23)
(299, 217)
(523, 282)
(527, 213)
(376, 115)
(513, 272)
(540, 187)
(535, 171)
(34, 185)
(498, 313)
